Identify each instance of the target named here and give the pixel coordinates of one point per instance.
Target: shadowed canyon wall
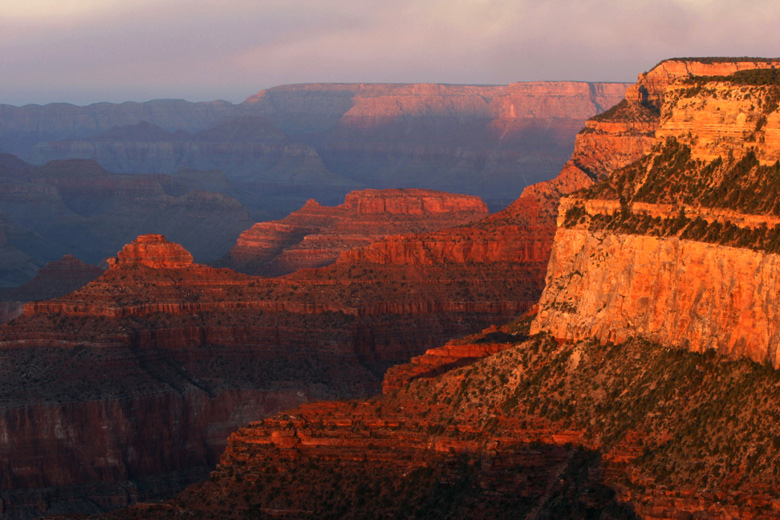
(294, 142)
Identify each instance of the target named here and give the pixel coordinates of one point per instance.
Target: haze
(86, 51)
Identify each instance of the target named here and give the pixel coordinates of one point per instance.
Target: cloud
(92, 50)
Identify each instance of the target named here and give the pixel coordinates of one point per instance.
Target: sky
(86, 51)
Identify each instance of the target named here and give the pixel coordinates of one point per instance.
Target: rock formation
(591, 417)
(558, 430)
(679, 247)
(487, 141)
(295, 142)
(316, 235)
(211, 338)
(204, 350)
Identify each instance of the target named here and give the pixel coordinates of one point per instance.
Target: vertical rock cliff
(680, 246)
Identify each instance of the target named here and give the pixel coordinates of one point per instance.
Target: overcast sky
(85, 51)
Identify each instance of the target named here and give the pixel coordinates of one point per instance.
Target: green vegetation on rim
(671, 177)
(719, 59)
(694, 410)
(756, 77)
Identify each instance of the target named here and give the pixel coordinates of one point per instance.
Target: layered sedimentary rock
(259, 339)
(680, 247)
(542, 429)
(316, 235)
(198, 351)
(77, 207)
(488, 141)
(295, 142)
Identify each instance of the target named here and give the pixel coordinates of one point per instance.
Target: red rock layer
(207, 335)
(541, 428)
(651, 86)
(316, 235)
(439, 360)
(152, 251)
(364, 104)
(677, 290)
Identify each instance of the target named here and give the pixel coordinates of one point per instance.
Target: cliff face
(680, 246)
(463, 139)
(651, 86)
(315, 235)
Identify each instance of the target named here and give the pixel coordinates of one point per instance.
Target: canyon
(655, 326)
(642, 384)
(203, 350)
(165, 357)
(290, 143)
(222, 167)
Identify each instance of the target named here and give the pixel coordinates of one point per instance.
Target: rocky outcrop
(152, 251)
(651, 86)
(316, 235)
(679, 247)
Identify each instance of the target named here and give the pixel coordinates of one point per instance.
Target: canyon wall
(679, 247)
(297, 142)
(539, 429)
(316, 235)
(197, 351)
